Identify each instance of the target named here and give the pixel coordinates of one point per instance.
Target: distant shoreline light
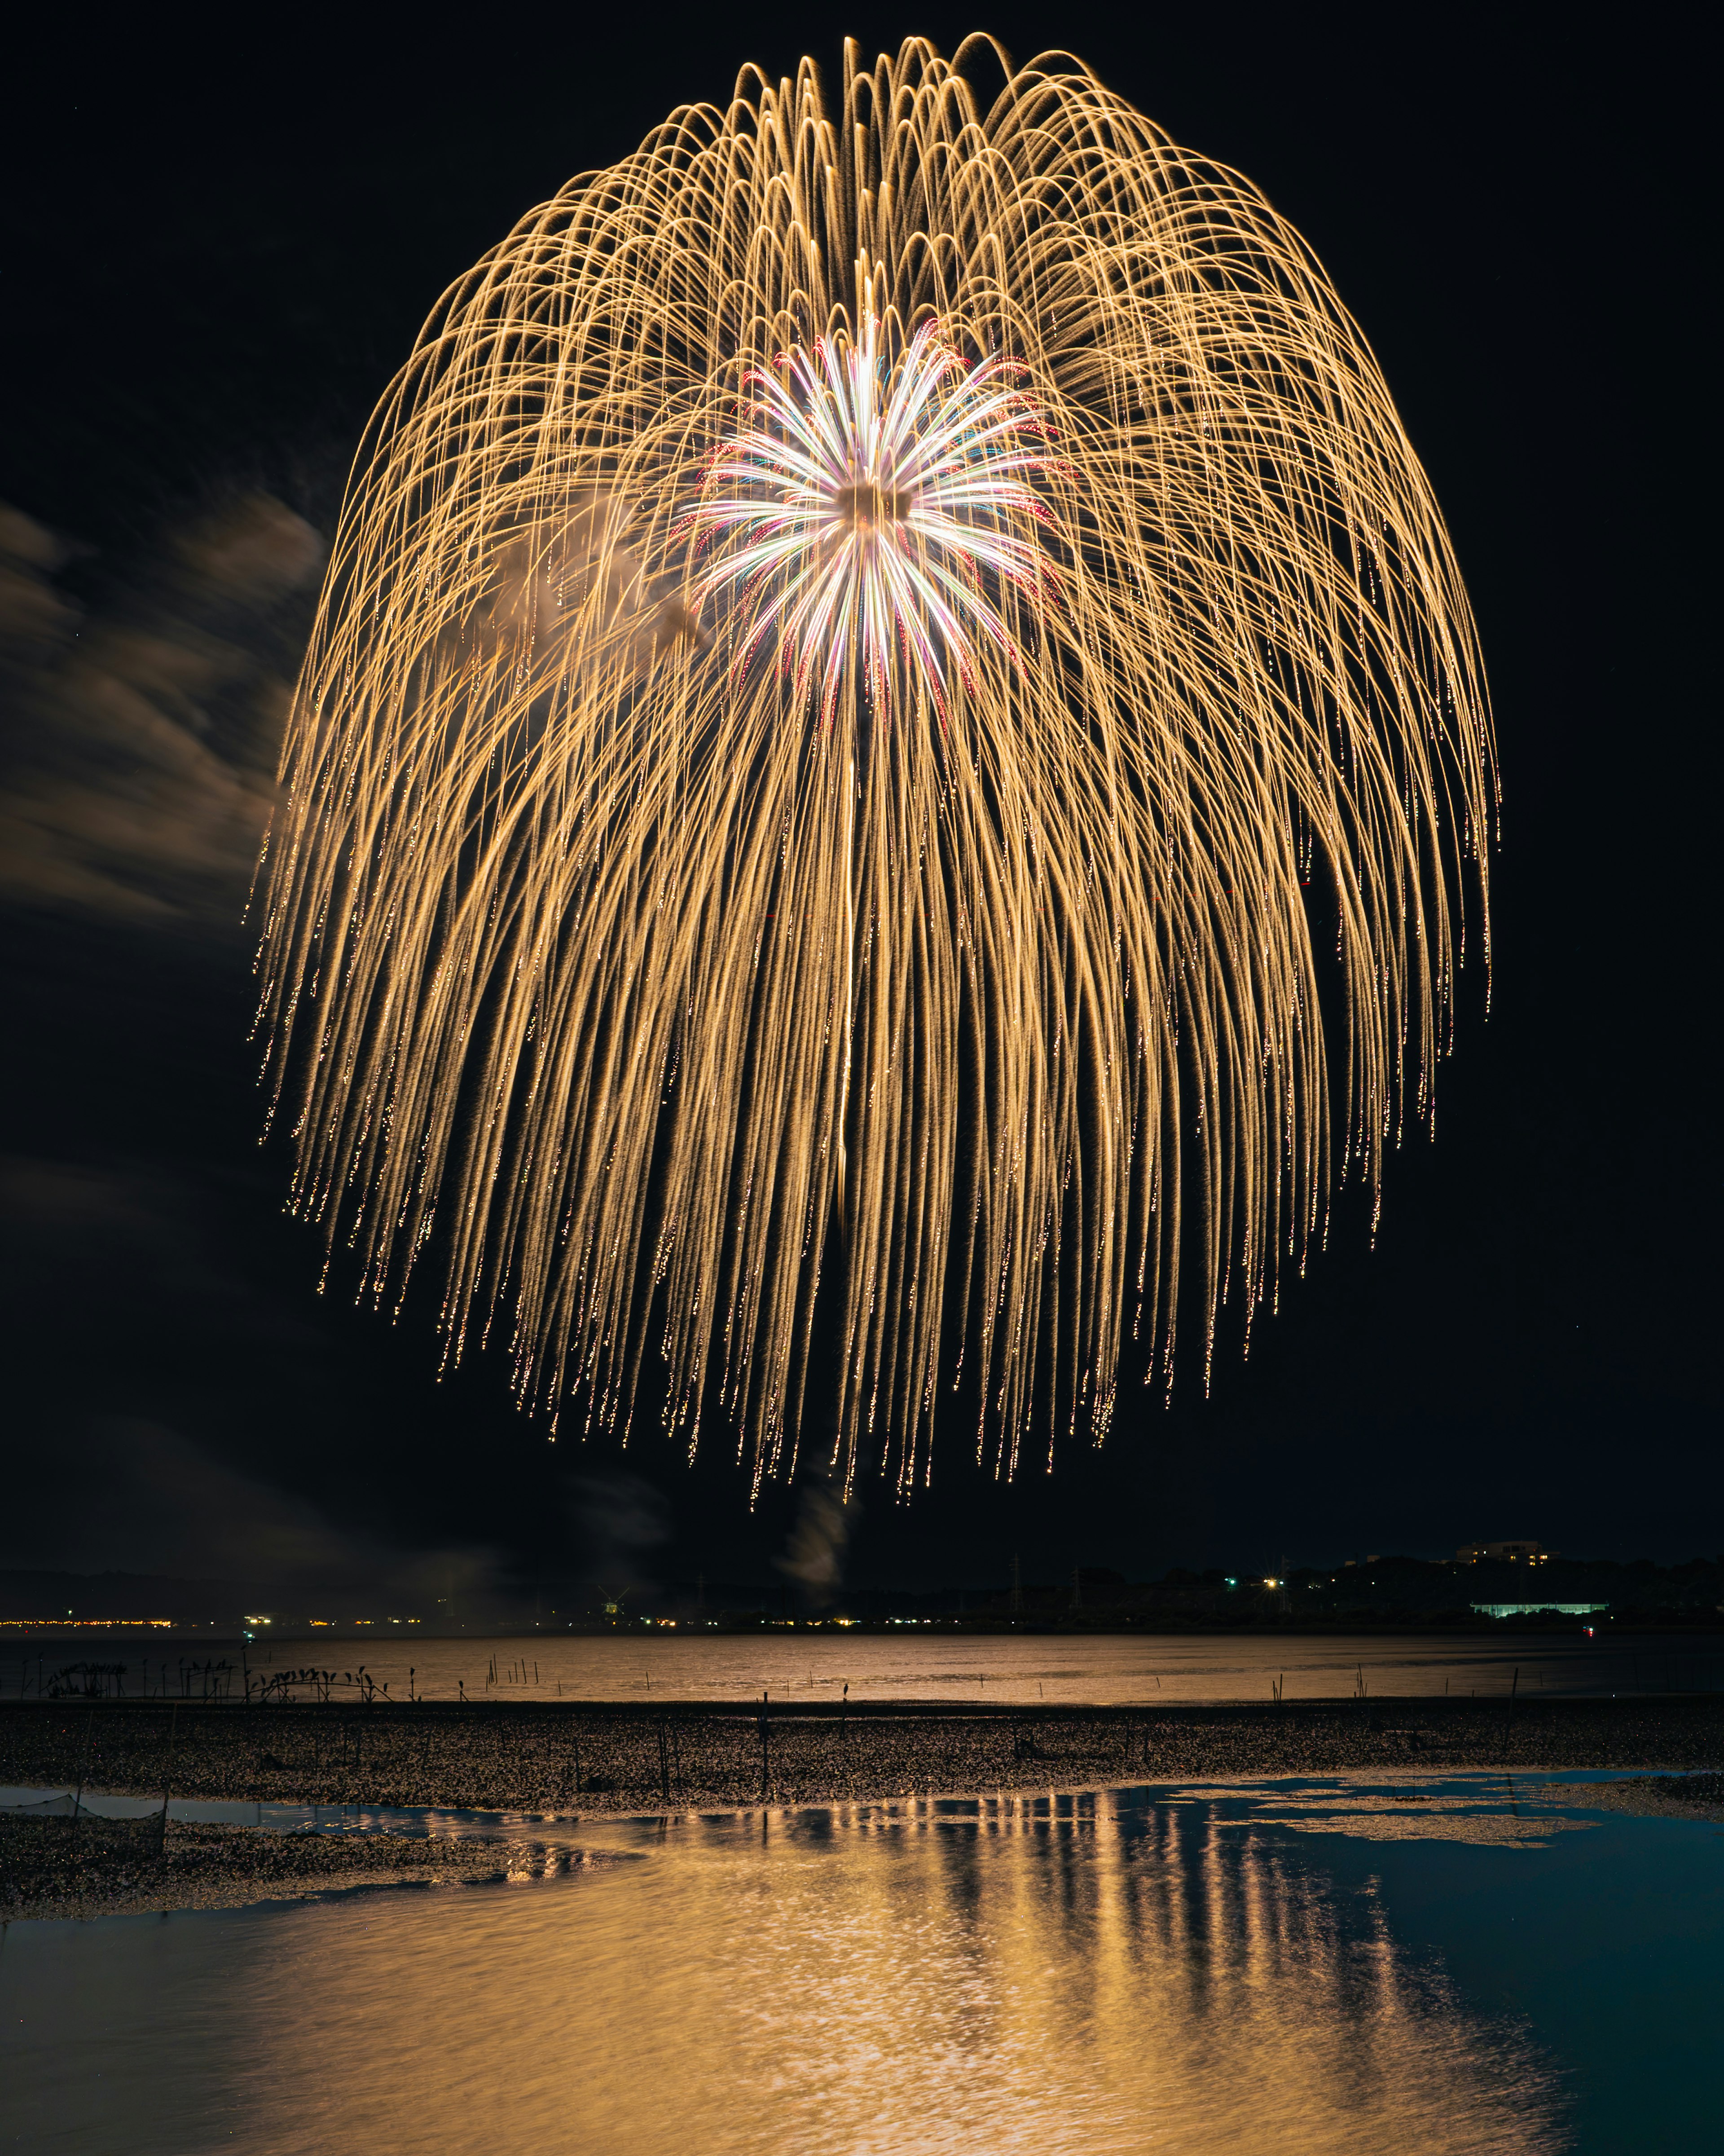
(86, 1624)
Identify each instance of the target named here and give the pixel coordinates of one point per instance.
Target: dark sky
(216, 253)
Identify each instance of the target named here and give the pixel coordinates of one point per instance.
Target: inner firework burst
(867, 509)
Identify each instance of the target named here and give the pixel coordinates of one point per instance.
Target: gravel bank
(601, 1757)
(1659, 1796)
(97, 1867)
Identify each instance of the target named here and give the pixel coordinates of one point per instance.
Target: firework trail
(864, 657)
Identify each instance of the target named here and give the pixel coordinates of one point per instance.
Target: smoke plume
(814, 1555)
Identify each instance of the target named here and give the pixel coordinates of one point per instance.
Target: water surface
(1114, 1670)
(1314, 1965)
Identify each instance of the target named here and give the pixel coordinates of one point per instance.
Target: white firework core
(871, 505)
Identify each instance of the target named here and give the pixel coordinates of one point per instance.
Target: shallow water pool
(1447, 1963)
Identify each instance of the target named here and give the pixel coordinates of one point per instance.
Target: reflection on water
(1484, 1811)
(1104, 1974)
(1109, 1670)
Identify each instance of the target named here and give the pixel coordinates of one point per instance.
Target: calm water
(818, 1665)
(1309, 1966)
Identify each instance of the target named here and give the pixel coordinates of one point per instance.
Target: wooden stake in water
(167, 1778)
(83, 1769)
(765, 1745)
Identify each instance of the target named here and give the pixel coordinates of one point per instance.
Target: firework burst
(868, 509)
(891, 704)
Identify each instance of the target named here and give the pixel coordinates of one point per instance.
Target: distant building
(1503, 1553)
(1538, 1608)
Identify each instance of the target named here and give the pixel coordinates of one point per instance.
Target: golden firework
(863, 656)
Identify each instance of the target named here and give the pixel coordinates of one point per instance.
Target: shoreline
(1537, 1624)
(67, 1868)
(601, 1759)
(56, 1869)
(609, 1762)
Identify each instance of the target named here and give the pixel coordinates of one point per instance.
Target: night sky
(216, 253)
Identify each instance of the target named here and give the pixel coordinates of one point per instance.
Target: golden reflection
(1054, 1974)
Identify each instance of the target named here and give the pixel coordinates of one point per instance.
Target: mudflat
(585, 1757)
(86, 1867)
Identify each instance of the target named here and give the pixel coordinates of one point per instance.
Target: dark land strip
(602, 1756)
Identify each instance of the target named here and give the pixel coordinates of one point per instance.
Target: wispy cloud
(138, 736)
(123, 1493)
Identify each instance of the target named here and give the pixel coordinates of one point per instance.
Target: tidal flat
(85, 1865)
(572, 1758)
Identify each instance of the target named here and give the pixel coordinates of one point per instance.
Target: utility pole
(1016, 1585)
(1077, 1587)
(700, 1591)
